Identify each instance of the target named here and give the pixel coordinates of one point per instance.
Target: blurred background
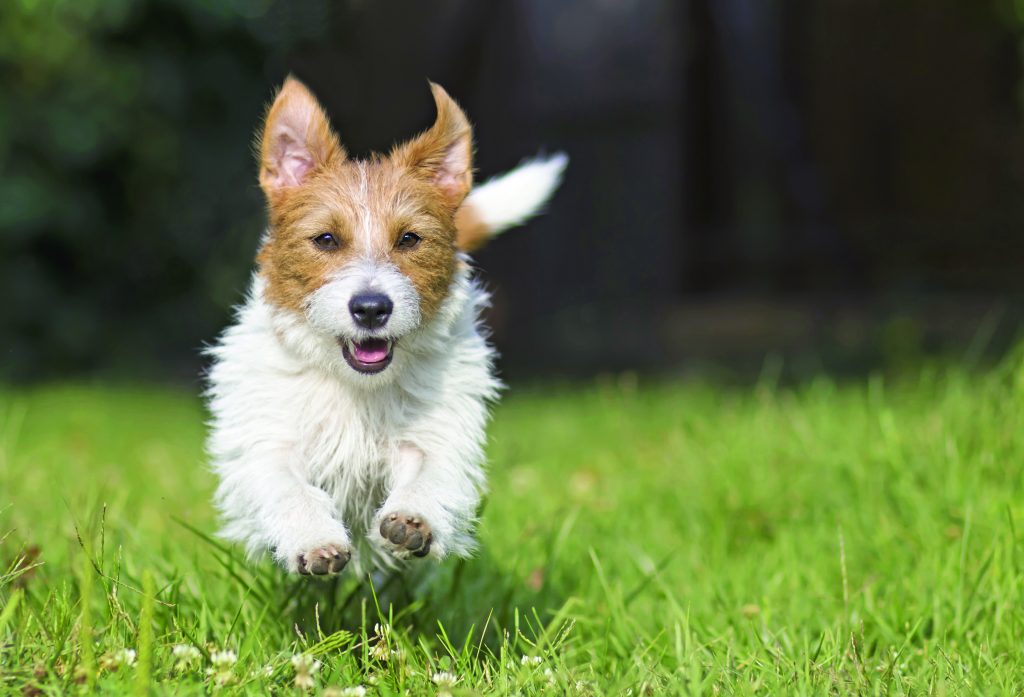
(836, 184)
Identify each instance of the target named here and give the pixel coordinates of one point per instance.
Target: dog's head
(363, 250)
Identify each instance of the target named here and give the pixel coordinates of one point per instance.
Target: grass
(669, 539)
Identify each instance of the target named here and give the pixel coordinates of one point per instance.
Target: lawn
(851, 538)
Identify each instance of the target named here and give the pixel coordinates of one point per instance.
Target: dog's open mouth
(369, 355)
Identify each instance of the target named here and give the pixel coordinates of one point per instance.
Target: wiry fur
(302, 449)
(310, 453)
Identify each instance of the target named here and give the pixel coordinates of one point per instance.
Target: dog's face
(364, 251)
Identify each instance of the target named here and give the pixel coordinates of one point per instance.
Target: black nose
(370, 310)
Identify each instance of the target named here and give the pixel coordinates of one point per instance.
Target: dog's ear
(296, 140)
(444, 153)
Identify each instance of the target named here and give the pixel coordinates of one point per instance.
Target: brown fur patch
(293, 266)
(296, 138)
(367, 206)
(471, 232)
(444, 153)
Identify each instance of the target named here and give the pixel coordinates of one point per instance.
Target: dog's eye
(408, 240)
(326, 241)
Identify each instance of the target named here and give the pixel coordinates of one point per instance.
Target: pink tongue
(371, 351)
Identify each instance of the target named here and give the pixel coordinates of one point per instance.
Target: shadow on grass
(476, 598)
(463, 596)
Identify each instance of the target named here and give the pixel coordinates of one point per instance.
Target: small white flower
(380, 651)
(223, 659)
(222, 663)
(117, 659)
(531, 660)
(220, 677)
(444, 679)
(305, 667)
(354, 691)
(305, 663)
(184, 656)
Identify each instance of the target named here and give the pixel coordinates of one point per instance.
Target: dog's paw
(406, 534)
(323, 561)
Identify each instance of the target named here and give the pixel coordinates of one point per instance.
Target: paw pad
(323, 561)
(407, 532)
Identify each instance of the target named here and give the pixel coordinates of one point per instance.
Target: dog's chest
(346, 440)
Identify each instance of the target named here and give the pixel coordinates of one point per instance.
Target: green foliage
(827, 539)
(130, 212)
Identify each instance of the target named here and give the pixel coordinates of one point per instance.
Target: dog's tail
(507, 200)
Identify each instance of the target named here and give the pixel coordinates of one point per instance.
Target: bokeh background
(836, 185)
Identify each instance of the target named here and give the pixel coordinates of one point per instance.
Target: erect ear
(444, 153)
(296, 140)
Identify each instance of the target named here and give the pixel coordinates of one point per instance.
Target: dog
(349, 398)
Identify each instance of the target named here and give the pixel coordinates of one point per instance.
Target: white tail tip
(508, 200)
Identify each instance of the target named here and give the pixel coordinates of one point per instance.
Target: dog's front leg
(268, 503)
(430, 509)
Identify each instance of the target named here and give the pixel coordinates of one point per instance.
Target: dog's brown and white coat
(349, 398)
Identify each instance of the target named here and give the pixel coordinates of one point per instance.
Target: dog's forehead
(371, 194)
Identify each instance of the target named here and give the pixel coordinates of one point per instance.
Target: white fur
(312, 453)
(326, 308)
(512, 198)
